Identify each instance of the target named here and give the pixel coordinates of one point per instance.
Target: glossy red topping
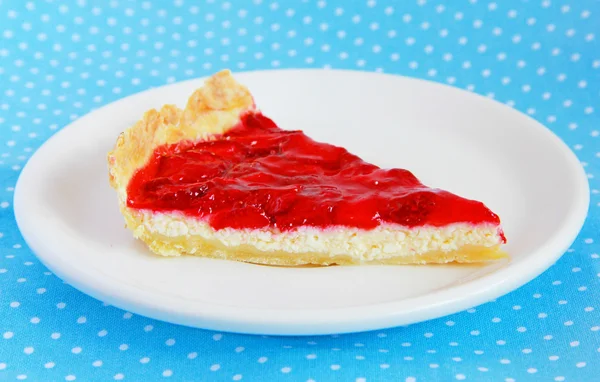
(258, 175)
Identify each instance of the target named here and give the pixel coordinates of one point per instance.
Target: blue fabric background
(61, 59)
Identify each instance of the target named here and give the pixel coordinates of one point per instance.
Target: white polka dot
(215, 367)
(167, 373)
(102, 333)
(144, 360)
(286, 369)
(192, 355)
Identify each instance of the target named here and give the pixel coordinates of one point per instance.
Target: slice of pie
(219, 179)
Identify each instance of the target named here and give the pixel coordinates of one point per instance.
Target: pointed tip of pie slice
(441, 208)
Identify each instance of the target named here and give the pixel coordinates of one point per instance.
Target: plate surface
(449, 138)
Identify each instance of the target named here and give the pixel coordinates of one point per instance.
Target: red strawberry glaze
(258, 175)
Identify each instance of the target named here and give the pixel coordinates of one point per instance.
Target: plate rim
(245, 320)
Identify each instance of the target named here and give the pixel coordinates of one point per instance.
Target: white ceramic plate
(449, 138)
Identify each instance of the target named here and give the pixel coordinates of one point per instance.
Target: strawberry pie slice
(219, 179)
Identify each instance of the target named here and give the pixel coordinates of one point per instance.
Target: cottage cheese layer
(174, 234)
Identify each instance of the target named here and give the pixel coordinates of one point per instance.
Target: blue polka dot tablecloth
(61, 59)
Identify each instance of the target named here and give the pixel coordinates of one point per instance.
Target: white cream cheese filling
(383, 242)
